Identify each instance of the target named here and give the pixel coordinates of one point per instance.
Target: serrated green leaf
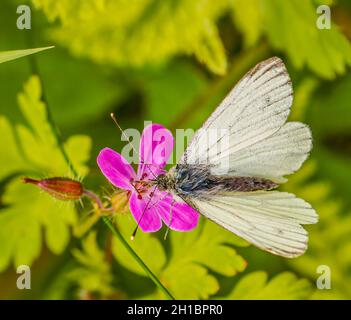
(94, 273)
(210, 51)
(140, 32)
(328, 240)
(36, 152)
(190, 281)
(21, 224)
(11, 161)
(208, 246)
(251, 23)
(39, 142)
(16, 54)
(192, 254)
(326, 52)
(285, 286)
(146, 245)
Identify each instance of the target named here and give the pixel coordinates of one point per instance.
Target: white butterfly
(261, 148)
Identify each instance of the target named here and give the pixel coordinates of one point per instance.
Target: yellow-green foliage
(291, 27)
(184, 267)
(330, 239)
(94, 273)
(141, 32)
(32, 149)
(284, 286)
(169, 61)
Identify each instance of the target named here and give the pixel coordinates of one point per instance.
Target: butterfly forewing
(253, 140)
(256, 108)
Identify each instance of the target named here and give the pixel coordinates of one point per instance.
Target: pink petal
(116, 168)
(179, 216)
(149, 220)
(156, 147)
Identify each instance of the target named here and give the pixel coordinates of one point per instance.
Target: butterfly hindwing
(270, 220)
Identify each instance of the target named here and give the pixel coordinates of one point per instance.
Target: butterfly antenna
(127, 139)
(142, 215)
(123, 133)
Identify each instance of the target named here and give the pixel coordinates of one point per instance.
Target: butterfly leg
(142, 215)
(170, 219)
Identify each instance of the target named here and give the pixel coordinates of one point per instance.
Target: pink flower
(149, 206)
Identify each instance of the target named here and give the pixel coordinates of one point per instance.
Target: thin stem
(35, 70)
(119, 236)
(96, 199)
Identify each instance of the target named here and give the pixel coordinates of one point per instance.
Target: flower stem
(97, 200)
(35, 70)
(119, 236)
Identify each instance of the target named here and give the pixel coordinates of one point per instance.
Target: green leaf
(185, 272)
(16, 54)
(39, 142)
(285, 286)
(35, 152)
(210, 50)
(329, 240)
(251, 23)
(12, 160)
(144, 32)
(21, 224)
(209, 245)
(140, 32)
(147, 246)
(194, 253)
(326, 52)
(94, 273)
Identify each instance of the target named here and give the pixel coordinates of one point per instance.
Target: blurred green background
(172, 62)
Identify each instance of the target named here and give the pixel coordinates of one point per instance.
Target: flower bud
(120, 201)
(59, 188)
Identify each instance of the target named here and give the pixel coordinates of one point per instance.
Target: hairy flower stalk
(120, 201)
